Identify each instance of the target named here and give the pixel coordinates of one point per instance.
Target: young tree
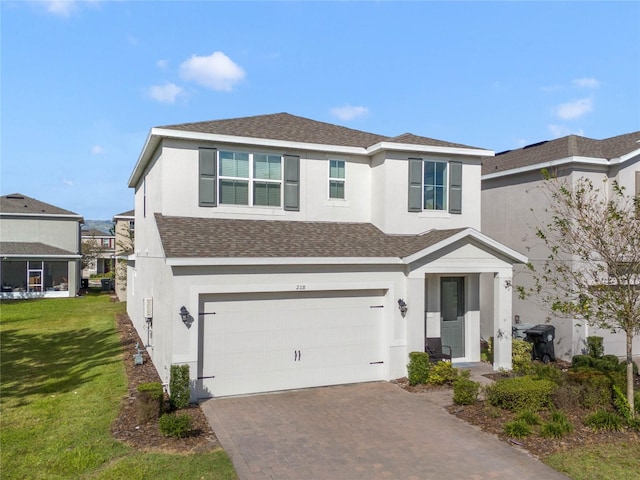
(91, 251)
(592, 271)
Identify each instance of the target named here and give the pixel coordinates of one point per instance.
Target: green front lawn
(62, 381)
(619, 461)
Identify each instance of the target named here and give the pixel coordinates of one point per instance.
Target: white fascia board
(601, 162)
(218, 261)
(150, 144)
(624, 158)
(29, 255)
(479, 237)
(408, 147)
(43, 215)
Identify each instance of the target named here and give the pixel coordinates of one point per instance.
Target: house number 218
(301, 287)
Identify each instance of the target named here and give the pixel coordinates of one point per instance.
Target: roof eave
(35, 255)
(410, 147)
(239, 261)
(592, 161)
(70, 216)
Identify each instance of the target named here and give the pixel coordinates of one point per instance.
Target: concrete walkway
(362, 431)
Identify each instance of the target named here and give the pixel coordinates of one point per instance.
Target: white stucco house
(124, 229)
(513, 204)
(277, 252)
(39, 249)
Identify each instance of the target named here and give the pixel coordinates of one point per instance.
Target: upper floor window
(336, 179)
(106, 242)
(434, 185)
(253, 179)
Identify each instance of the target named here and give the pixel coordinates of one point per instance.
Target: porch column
(502, 320)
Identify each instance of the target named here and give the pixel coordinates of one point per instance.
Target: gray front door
(452, 312)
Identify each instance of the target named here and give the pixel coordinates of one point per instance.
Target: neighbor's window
(267, 173)
(435, 185)
(336, 179)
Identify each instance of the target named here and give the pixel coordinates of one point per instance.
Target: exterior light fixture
(184, 314)
(402, 306)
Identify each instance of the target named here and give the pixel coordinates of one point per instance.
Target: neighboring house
(277, 252)
(99, 249)
(510, 191)
(124, 228)
(39, 249)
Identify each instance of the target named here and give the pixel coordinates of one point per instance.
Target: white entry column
(502, 302)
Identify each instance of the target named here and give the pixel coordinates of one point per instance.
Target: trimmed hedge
(521, 393)
(418, 368)
(149, 401)
(179, 393)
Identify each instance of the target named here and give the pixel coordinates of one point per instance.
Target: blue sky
(82, 82)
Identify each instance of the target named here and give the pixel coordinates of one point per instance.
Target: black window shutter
(291, 183)
(455, 187)
(207, 186)
(415, 184)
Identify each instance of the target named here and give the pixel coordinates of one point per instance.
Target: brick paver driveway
(363, 431)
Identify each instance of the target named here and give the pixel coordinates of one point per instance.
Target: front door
(452, 311)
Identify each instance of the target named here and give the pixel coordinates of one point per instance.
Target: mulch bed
(492, 419)
(147, 436)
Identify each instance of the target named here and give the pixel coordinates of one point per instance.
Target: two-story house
(513, 204)
(277, 252)
(124, 229)
(39, 249)
(99, 249)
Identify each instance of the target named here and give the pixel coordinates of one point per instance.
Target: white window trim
(444, 210)
(251, 180)
(336, 179)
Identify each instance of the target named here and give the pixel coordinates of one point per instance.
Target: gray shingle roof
(19, 203)
(32, 249)
(187, 237)
(570, 146)
(287, 127)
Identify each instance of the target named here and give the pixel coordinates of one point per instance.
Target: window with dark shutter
(207, 173)
(291, 182)
(455, 187)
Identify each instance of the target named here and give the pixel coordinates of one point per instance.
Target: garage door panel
(264, 343)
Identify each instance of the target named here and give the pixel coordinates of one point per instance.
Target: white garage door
(268, 342)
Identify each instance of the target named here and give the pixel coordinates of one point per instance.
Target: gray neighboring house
(124, 229)
(510, 182)
(39, 249)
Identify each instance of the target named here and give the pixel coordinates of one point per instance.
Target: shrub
(595, 387)
(557, 426)
(521, 356)
(612, 359)
(636, 402)
(149, 401)
(441, 373)
(621, 404)
(179, 393)
(521, 393)
(604, 365)
(595, 347)
(548, 372)
(517, 429)
(172, 425)
(579, 361)
(465, 391)
(603, 420)
(418, 368)
(568, 396)
(529, 417)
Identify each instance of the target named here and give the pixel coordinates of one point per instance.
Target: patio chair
(433, 346)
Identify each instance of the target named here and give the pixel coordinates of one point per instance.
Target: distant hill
(102, 225)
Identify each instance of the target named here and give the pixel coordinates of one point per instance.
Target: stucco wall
(57, 232)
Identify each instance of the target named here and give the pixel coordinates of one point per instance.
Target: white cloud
(166, 93)
(63, 8)
(217, 71)
(562, 131)
(67, 182)
(97, 150)
(348, 112)
(586, 83)
(574, 109)
(162, 64)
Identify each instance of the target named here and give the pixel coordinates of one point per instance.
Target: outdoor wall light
(402, 306)
(184, 314)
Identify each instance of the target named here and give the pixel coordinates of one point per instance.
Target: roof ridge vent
(16, 196)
